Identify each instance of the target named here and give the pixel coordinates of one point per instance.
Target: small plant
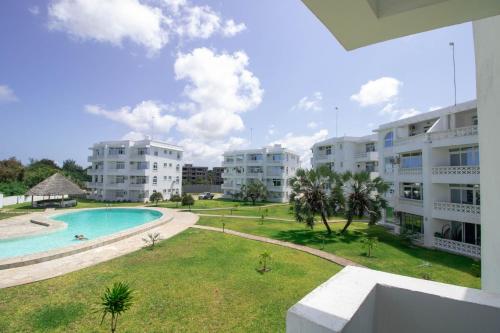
(369, 243)
(152, 239)
(426, 267)
(176, 198)
(187, 200)
(116, 301)
(262, 219)
(156, 197)
(264, 259)
(323, 239)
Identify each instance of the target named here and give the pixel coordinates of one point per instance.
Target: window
(120, 165)
(142, 165)
(465, 194)
(412, 223)
(370, 147)
(155, 166)
(341, 164)
(142, 151)
(255, 157)
(465, 232)
(412, 191)
(328, 150)
(412, 160)
(370, 167)
(164, 177)
(389, 165)
(165, 165)
(474, 120)
(155, 180)
(340, 146)
(117, 151)
(156, 153)
(389, 140)
(276, 182)
(120, 179)
(465, 156)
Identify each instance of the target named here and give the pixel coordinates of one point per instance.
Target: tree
(176, 198)
(187, 200)
(364, 197)
(310, 195)
(255, 190)
(156, 197)
(35, 173)
(13, 188)
(75, 172)
(115, 301)
(264, 259)
(11, 170)
(369, 243)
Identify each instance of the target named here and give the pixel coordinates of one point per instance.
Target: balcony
(95, 158)
(456, 174)
(457, 212)
(94, 184)
(409, 143)
(410, 174)
(366, 156)
(410, 206)
(117, 157)
(456, 136)
(452, 246)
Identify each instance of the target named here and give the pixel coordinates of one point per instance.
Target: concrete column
(487, 48)
(1, 200)
(428, 195)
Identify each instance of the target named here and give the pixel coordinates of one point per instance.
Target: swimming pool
(92, 223)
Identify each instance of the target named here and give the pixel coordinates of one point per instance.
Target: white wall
(487, 49)
(15, 199)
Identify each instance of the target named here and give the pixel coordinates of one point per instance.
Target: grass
(4, 215)
(279, 211)
(391, 254)
(197, 281)
(214, 203)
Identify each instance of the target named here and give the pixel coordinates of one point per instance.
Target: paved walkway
(322, 254)
(20, 225)
(49, 269)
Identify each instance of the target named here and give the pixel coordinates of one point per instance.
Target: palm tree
(115, 302)
(255, 190)
(364, 197)
(311, 195)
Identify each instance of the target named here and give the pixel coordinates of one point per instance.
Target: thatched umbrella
(56, 184)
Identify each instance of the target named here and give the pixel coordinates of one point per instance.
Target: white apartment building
(133, 170)
(347, 153)
(432, 162)
(273, 166)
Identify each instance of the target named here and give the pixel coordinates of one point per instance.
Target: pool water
(92, 224)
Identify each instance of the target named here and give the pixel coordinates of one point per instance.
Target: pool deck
(177, 222)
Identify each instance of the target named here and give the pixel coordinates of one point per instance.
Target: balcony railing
(361, 155)
(458, 208)
(449, 245)
(456, 132)
(456, 170)
(414, 138)
(410, 171)
(411, 202)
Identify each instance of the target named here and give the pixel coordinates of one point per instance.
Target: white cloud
(34, 10)
(146, 117)
(231, 28)
(112, 21)
(7, 95)
(134, 136)
(221, 87)
(397, 113)
(312, 124)
(210, 153)
(302, 144)
(310, 103)
(149, 24)
(434, 108)
(379, 91)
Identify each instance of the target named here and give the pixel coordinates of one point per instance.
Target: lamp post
(336, 121)
(452, 44)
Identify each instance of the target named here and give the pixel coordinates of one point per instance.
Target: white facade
(273, 166)
(431, 162)
(347, 153)
(133, 170)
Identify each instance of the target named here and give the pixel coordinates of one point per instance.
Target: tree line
(16, 178)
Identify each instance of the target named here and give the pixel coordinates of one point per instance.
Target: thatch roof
(56, 184)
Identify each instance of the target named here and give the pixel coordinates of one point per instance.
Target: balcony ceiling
(357, 23)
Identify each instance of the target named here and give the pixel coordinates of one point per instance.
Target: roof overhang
(357, 23)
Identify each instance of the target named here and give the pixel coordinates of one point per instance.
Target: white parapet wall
(1, 200)
(367, 301)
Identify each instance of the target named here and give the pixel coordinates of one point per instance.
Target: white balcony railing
(411, 202)
(361, 155)
(410, 171)
(458, 208)
(456, 132)
(409, 139)
(456, 170)
(466, 249)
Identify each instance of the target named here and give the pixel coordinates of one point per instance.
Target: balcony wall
(456, 174)
(410, 206)
(452, 246)
(455, 137)
(457, 212)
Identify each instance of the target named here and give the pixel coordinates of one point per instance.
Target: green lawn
(8, 215)
(391, 254)
(198, 281)
(215, 203)
(279, 211)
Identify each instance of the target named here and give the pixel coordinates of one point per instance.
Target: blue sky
(205, 74)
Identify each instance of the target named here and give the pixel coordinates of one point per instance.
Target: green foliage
(36, 173)
(13, 188)
(310, 196)
(187, 200)
(254, 191)
(75, 172)
(264, 259)
(176, 198)
(156, 197)
(116, 301)
(11, 170)
(425, 270)
(364, 197)
(369, 243)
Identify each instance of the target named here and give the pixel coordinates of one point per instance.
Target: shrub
(115, 301)
(155, 197)
(187, 200)
(152, 239)
(369, 243)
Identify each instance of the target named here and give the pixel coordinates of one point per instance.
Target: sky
(207, 75)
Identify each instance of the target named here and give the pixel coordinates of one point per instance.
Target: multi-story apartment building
(194, 174)
(215, 175)
(432, 163)
(132, 170)
(273, 166)
(347, 153)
